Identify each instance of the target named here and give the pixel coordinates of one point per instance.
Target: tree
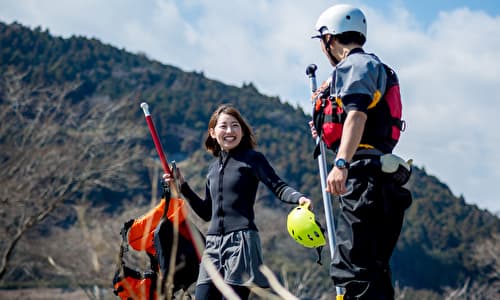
(487, 256)
(56, 150)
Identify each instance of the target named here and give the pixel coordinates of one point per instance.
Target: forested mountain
(441, 231)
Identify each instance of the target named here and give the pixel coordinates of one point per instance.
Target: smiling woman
(233, 243)
(227, 132)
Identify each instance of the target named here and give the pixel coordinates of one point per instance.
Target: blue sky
(445, 52)
(426, 11)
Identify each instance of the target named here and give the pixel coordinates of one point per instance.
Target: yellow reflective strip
(339, 102)
(376, 98)
(366, 146)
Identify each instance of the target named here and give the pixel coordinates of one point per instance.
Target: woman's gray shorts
(237, 256)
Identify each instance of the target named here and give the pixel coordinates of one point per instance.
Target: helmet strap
(328, 48)
(318, 251)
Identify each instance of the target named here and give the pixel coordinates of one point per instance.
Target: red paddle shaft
(194, 238)
(156, 139)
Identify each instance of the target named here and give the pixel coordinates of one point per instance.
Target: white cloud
(451, 87)
(448, 69)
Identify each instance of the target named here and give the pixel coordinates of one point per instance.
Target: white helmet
(339, 19)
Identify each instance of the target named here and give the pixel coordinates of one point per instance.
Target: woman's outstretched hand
(303, 201)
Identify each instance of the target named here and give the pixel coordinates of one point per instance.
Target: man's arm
(351, 137)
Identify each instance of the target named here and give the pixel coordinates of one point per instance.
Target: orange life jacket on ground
(154, 233)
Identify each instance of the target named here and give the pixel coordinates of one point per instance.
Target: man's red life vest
(383, 125)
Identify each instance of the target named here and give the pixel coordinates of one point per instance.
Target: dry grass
(43, 294)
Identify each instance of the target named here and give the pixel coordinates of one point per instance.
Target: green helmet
(304, 229)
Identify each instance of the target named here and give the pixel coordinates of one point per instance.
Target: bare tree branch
(275, 285)
(55, 151)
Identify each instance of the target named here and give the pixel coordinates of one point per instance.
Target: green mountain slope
(440, 231)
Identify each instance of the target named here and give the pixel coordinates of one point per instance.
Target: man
(364, 126)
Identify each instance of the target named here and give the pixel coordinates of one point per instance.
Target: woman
(232, 242)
